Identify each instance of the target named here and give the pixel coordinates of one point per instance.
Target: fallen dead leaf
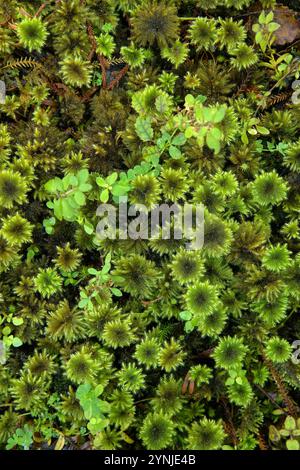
(289, 29)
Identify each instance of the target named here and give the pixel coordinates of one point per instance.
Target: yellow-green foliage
(130, 344)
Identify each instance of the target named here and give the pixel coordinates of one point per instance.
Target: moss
(155, 102)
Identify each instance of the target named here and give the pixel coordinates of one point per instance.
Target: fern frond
(115, 60)
(25, 62)
(280, 98)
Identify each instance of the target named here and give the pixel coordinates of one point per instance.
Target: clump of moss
(151, 338)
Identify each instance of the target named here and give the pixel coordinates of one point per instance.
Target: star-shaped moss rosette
(134, 340)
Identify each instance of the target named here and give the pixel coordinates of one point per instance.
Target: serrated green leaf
(174, 152)
(230, 381)
(269, 17)
(162, 104)
(189, 132)
(67, 209)
(111, 179)
(83, 302)
(219, 115)
(58, 209)
(120, 189)
(212, 142)
(273, 27)
(189, 101)
(106, 268)
(116, 292)
(73, 181)
(290, 423)
(83, 176)
(263, 130)
(179, 140)
(84, 187)
(79, 198)
(143, 129)
(54, 185)
(93, 271)
(262, 18)
(101, 182)
(216, 133)
(292, 444)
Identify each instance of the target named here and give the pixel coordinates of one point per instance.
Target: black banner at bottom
(150, 459)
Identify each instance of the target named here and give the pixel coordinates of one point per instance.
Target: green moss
(155, 342)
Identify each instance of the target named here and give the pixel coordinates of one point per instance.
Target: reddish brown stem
(89, 94)
(102, 61)
(281, 388)
(92, 40)
(116, 80)
(185, 384)
(58, 88)
(228, 425)
(206, 353)
(40, 9)
(262, 444)
(104, 65)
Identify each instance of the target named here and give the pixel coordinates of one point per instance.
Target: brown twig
(292, 409)
(185, 384)
(104, 66)
(228, 425)
(188, 385)
(118, 77)
(58, 88)
(270, 398)
(40, 9)
(206, 353)
(92, 40)
(149, 302)
(262, 444)
(89, 94)
(280, 98)
(102, 61)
